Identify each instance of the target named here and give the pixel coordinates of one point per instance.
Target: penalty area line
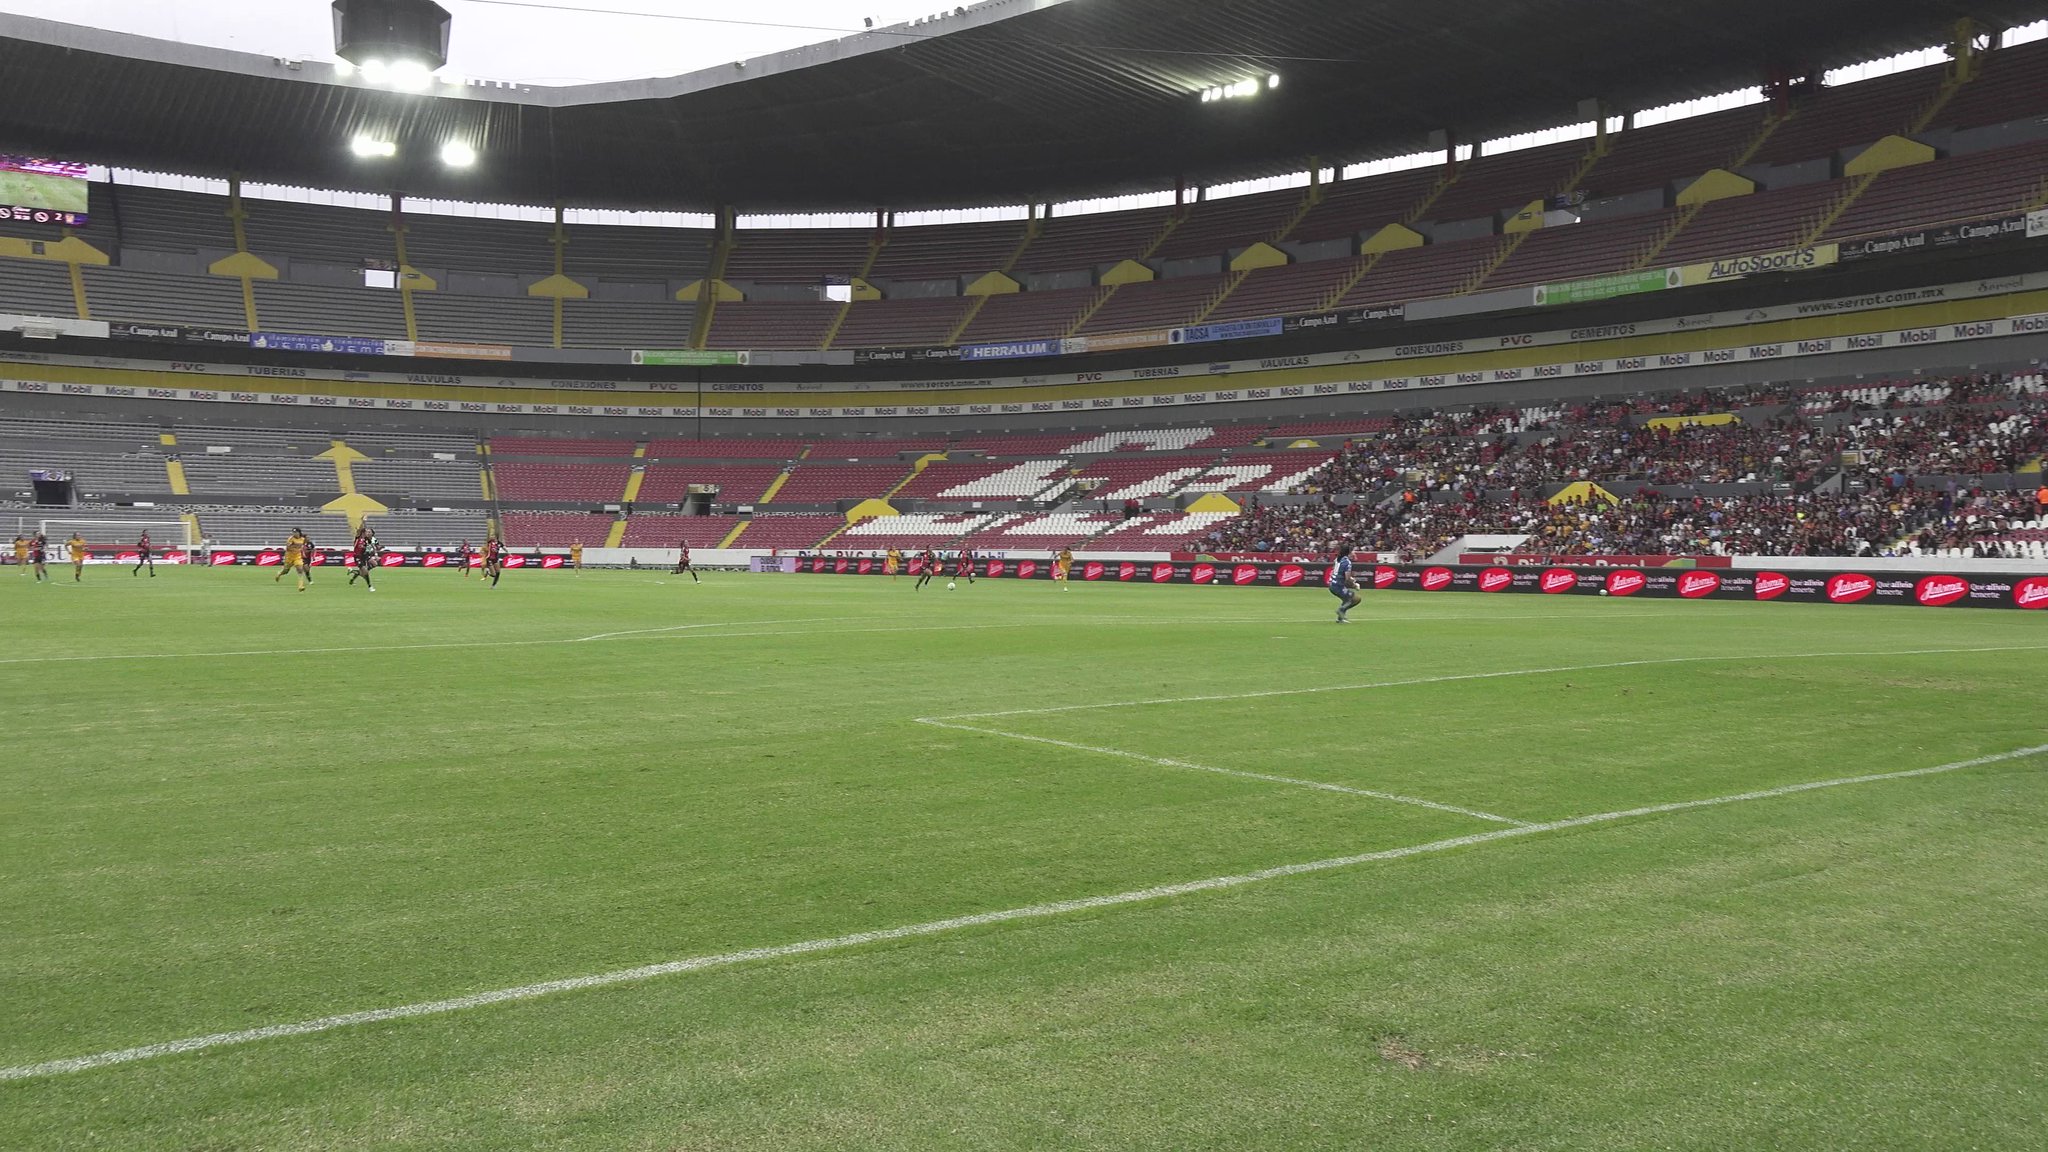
(1269, 778)
(1453, 678)
(935, 927)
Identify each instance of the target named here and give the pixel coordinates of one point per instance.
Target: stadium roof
(1008, 101)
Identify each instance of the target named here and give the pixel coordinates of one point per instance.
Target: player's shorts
(1340, 591)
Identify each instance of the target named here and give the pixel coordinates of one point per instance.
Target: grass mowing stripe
(1167, 762)
(883, 935)
(1455, 677)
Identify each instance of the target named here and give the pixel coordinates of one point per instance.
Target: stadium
(796, 458)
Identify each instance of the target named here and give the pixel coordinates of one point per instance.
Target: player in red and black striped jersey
(38, 553)
(967, 564)
(364, 553)
(683, 564)
(494, 559)
(928, 566)
(145, 556)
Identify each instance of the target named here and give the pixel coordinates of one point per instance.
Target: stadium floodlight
(370, 147)
(408, 76)
(390, 30)
(458, 154)
(1239, 90)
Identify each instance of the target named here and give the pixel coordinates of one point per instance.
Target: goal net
(107, 541)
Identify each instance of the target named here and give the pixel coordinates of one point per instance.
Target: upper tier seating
(553, 529)
(1762, 222)
(798, 255)
(1218, 227)
(811, 483)
(771, 324)
(340, 237)
(1980, 184)
(1028, 315)
(619, 252)
(1673, 152)
(1284, 291)
(945, 251)
(1163, 304)
(1850, 115)
(911, 323)
(554, 446)
(1355, 208)
(323, 311)
(996, 480)
(581, 483)
(736, 483)
(736, 448)
(626, 324)
(35, 288)
(162, 298)
(1490, 184)
(1066, 243)
(520, 321)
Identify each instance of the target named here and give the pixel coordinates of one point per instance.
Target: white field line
(1167, 762)
(1760, 657)
(1012, 624)
(460, 644)
(935, 927)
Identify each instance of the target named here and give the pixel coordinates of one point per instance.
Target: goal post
(107, 539)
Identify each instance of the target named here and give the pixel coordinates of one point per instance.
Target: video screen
(43, 191)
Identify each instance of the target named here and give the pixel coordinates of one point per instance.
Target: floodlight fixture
(371, 148)
(391, 30)
(458, 154)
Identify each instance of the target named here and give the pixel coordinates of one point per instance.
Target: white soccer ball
(950, 585)
(1603, 591)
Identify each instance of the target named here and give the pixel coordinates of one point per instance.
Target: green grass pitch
(225, 805)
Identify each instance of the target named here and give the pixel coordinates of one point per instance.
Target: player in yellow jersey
(1061, 566)
(21, 554)
(576, 555)
(291, 556)
(77, 546)
(297, 558)
(892, 563)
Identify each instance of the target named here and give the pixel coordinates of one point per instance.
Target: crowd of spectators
(1437, 475)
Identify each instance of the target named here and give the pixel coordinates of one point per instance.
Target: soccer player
(576, 555)
(1343, 585)
(928, 567)
(144, 557)
(892, 562)
(291, 556)
(77, 546)
(967, 564)
(1062, 566)
(683, 564)
(21, 553)
(306, 551)
(462, 555)
(37, 545)
(365, 557)
(494, 559)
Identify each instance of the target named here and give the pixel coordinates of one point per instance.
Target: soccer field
(614, 861)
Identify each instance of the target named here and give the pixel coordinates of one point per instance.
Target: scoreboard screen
(42, 191)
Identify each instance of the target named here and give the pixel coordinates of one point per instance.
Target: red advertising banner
(1545, 559)
(1840, 585)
